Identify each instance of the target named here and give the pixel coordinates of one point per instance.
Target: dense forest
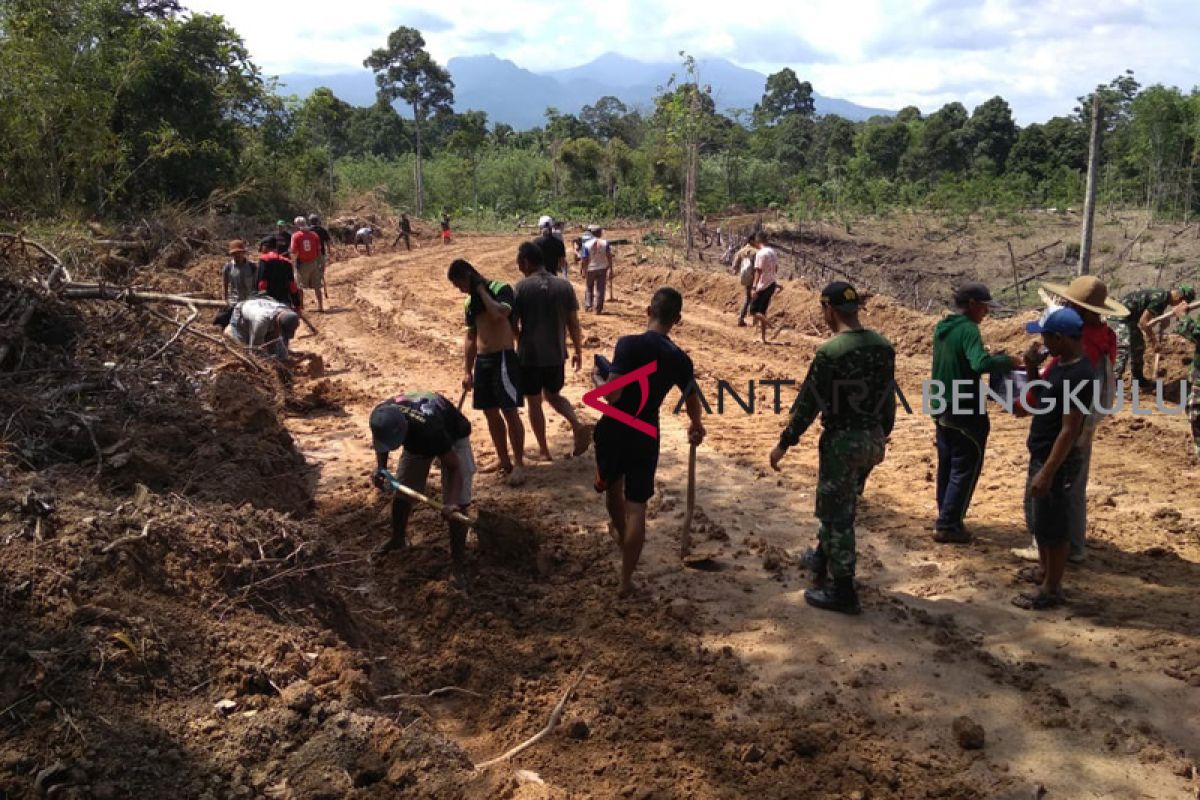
(114, 106)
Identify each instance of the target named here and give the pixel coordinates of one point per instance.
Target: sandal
(1031, 574)
(1038, 602)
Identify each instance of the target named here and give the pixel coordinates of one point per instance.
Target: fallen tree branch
(555, 718)
(214, 339)
(87, 423)
(175, 336)
(1025, 280)
(435, 693)
(1040, 250)
(59, 269)
(95, 291)
(124, 540)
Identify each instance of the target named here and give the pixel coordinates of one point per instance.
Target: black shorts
(618, 455)
(1049, 517)
(535, 380)
(496, 379)
(760, 303)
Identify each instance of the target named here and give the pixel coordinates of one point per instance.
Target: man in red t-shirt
(1088, 295)
(306, 255)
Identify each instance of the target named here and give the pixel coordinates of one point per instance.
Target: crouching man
(263, 322)
(427, 426)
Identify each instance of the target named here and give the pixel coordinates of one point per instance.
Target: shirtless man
(491, 365)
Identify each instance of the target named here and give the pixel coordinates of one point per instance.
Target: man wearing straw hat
(1088, 296)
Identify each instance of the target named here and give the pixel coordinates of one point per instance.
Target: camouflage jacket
(850, 383)
(1189, 328)
(1154, 300)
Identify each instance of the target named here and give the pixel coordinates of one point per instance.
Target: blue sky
(1038, 54)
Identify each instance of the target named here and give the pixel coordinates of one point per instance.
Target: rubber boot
(818, 564)
(842, 597)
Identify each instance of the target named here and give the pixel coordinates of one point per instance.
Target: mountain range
(519, 97)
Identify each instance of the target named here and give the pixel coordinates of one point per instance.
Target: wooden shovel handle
(420, 498)
(685, 537)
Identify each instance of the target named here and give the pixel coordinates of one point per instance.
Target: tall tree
(784, 95)
(469, 137)
(991, 134)
(404, 70)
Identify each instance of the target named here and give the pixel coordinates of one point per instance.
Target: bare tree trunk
(1089, 201)
(419, 174)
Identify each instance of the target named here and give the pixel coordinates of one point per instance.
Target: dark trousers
(745, 305)
(960, 448)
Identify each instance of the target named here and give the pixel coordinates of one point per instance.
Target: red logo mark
(595, 399)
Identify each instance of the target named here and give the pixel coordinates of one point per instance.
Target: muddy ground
(713, 684)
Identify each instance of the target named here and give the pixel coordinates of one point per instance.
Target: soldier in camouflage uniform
(1189, 328)
(851, 384)
(1143, 305)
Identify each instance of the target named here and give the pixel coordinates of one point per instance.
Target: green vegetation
(120, 105)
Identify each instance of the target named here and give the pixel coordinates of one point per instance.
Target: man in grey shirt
(263, 320)
(545, 309)
(237, 278)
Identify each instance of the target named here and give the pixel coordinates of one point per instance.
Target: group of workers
(515, 352)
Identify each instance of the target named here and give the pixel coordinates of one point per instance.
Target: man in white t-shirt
(766, 269)
(597, 267)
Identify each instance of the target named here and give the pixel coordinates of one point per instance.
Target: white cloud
(1037, 54)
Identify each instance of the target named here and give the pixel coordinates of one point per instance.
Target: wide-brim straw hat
(237, 246)
(1088, 291)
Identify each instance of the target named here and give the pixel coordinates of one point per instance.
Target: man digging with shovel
(427, 426)
(851, 384)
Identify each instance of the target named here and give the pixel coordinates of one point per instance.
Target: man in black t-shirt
(544, 311)
(627, 447)
(314, 224)
(554, 252)
(405, 233)
(1059, 401)
(427, 426)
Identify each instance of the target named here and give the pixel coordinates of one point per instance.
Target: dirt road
(725, 684)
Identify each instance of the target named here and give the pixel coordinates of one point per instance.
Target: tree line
(121, 105)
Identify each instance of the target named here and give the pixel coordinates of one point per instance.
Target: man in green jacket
(959, 359)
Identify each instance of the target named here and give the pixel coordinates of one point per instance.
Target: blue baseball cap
(1065, 321)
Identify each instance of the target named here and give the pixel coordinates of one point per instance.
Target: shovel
(701, 561)
(497, 532)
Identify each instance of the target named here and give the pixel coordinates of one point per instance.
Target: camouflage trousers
(1131, 348)
(846, 459)
(1193, 409)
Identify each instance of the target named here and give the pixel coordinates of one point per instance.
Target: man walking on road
(743, 268)
(314, 224)
(545, 309)
(959, 359)
(766, 284)
(405, 233)
(491, 365)
(427, 426)
(851, 384)
(597, 267)
(554, 252)
(627, 458)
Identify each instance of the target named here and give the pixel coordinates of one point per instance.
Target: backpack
(746, 273)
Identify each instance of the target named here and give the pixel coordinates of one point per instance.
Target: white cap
(545, 221)
(300, 222)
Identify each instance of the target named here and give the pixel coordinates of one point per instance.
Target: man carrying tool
(554, 252)
(491, 365)
(427, 426)
(743, 268)
(851, 384)
(959, 359)
(597, 269)
(306, 255)
(627, 447)
(544, 310)
(1133, 330)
